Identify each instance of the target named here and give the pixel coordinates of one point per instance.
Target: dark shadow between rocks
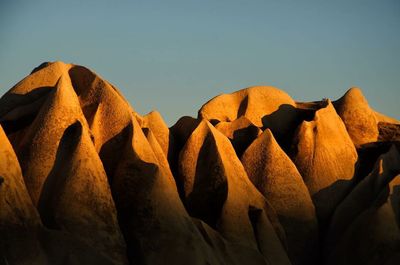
(323, 200)
(242, 138)
(254, 217)
(82, 79)
(243, 107)
(111, 151)
(180, 132)
(368, 154)
(284, 121)
(19, 111)
(395, 202)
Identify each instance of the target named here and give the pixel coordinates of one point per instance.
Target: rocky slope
(256, 178)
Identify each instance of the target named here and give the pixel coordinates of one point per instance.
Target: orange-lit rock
(325, 157)
(218, 191)
(76, 196)
(263, 106)
(358, 117)
(277, 178)
(84, 179)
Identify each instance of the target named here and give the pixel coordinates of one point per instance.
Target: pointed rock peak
(325, 156)
(62, 103)
(217, 190)
(156, 124)
(353, 94)
(153, 116)
(266, 137)
(277, 178)
(358, 117)
(153, 120)
(270, 168)
(64, 89)
(38, 147)
(76, 197)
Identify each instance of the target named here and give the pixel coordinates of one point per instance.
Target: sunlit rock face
(256, 178)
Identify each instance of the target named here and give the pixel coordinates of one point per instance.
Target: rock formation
(358, 117)
(326, 158)
(257, 178)
(277, 178)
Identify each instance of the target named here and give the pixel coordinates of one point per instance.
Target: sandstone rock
(357, 116)
(76, 196)
(263, 106)
(156, 124)
(277, 178)
(217, 190)
(325, 157)
(84, 179)
(38, 146)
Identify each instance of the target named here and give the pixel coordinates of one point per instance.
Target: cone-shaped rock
(241, 132)
(277, 178)
(218, 191)
(152, 217)
(159, 228)
(38, 147)
(357, 116)
(23, 239)
(325, 157)
(156, 124)
(76, 196)
(180, 132)
(263, 106)
(182, 196)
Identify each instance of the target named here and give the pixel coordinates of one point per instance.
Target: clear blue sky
(173, 56)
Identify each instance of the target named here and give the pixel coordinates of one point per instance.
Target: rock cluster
(256, 178)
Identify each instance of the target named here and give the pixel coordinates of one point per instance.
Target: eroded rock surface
(257, 178)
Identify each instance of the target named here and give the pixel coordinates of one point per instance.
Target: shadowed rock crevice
(209, 179)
